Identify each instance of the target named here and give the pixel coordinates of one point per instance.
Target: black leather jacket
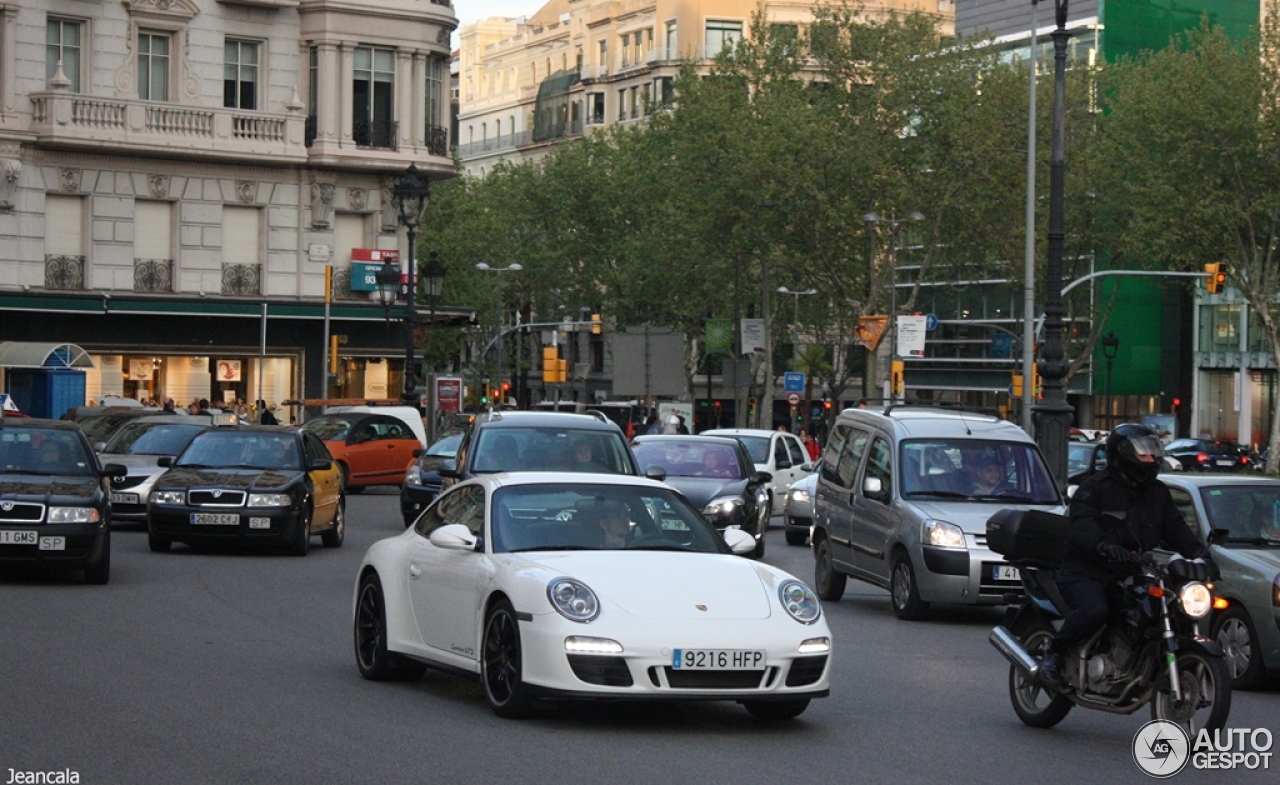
(1106, 508)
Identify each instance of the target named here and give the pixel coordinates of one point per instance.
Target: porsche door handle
(414, 571)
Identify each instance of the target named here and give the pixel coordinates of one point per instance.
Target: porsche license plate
(717, 659)
(18, 538)
(215, 519)
(124, 498)
(1003, 572)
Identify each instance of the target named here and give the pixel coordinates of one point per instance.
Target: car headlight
(269, 500)
(414, 475)
(722, 506)
(1196, 599)
(800, 601)
(799, 496)
(168, 497)
(573, 599)
(943, 534)
(73, 515)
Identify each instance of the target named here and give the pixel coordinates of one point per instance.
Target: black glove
(1117, 554)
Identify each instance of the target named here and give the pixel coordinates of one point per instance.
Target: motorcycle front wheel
(1206, 694)
(1032, 702)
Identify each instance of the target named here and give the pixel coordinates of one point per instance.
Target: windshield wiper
(554, 548)
(1259, 541)
(1022, 497)
(939, 494)
(658, 548)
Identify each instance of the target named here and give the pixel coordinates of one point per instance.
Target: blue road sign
(930, 322)
(793, 381)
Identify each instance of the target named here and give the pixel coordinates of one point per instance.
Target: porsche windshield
(591, 517)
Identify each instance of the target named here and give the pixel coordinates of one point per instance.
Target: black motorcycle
(1150, 652)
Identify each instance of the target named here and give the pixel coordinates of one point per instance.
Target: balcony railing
(153, 275)
(379, 134)
(437, 139)
(309, 132)
(63, 272)
(242, 279)
(71, 119)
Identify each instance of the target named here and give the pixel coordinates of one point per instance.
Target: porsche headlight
(269, 500)
(73, 515)
(573, 599)
(168, 497)
(1196, 599)
(725, 505)
(943, 534)
(799, 601)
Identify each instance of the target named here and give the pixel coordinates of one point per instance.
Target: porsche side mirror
(739, 541)
(454, 536)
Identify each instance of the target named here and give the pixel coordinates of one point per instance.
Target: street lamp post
(514, 267)
(795, 314)
(1052, 416)
(1110, 345)
(433, 284)
(894, 224)
(411, 195)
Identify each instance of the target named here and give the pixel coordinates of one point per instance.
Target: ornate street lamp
(411, 195)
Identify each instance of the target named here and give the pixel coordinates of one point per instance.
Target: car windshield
(328, 429)
(1249, 513)
(689, 458)
(570, 516)
(446, 447)
(153, 438)
(1079, 456)
(521, 449)
(975, 470)
(234, 449)
(99, 426)
(758, 446)
(39, 451)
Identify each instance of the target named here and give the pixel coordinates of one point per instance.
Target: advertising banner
(448, 394)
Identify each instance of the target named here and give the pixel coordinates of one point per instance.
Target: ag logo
(1161, 748)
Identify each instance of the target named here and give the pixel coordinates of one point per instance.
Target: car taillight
(1202, 457)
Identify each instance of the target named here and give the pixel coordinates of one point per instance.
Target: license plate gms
(717, 659)
(215, 519)
(1003, 572)
(18, 537)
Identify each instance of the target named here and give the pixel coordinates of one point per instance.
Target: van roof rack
(599, 415)
(891, 404)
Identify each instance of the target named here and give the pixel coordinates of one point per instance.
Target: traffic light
(826, 405)
(596, 326)
(1036, 392)
(333, 354)
(1176, 403)
(550, 364)
(1017, 385)
(506, 387)
(1217, 272)
(897, 377)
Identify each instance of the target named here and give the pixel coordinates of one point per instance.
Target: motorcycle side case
(1032, 537)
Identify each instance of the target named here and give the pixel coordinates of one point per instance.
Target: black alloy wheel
(501, 663)
(373, 659)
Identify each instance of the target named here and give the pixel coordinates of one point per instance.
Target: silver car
(137, 446)
(902, 501)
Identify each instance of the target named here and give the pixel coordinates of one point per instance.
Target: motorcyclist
(1116, 515)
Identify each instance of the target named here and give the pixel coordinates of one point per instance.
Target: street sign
(793, 381)
(793, 399)
(930, 322)
(911, 336)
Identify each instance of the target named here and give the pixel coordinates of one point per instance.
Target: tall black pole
(1052, 416)
(410, 323)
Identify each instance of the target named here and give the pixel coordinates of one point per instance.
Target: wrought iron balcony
(63, 272)
(309, 135)
(437, 140)
(379, 134)
(242, 279)
(153, 275)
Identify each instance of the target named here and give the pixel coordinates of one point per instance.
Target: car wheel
(828, 582)
(776, 711)
(301, 544)
(1233, 630)
(904, 592)
(373, 659)
(157, 543)
(333, 537)
(501, 663)
(758, 551)
(796, 536)
(346, 480)
(99, 573)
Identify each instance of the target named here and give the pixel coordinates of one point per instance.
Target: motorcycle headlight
(168, 497)
(269, 500)
(1196, 599)
(73, 515)
(722, 506)
(800, 602)
(943, 534)
(573, 599)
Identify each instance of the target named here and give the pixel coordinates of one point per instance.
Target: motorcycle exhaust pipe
(1012, 649)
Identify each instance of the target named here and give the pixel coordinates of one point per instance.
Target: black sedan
(54, 505)
(1207, 455)
(264, 484)
(717, 474)
(422, 481)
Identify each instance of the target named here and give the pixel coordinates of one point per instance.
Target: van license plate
(1003, 572)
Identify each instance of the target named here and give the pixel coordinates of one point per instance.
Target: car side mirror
(454, 536)
(164, 461)
(739, 541)
(806, 467)
(114, 470)
(655, 472)
(99, 446)
(449, 468)
(1218, 535)
(873, 488)
(319, 464)
(762, 477)
(417, 453)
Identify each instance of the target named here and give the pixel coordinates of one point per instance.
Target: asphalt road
(197, 667)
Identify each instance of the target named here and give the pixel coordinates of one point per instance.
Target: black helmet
(1128, 445)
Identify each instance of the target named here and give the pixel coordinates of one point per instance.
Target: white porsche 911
(589, 586)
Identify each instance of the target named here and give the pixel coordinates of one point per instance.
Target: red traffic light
(506, 386)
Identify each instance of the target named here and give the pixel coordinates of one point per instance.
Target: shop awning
(33, 354)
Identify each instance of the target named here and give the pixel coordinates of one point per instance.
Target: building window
(671, 40)
(626, 50)
(722, 36)
(604, 52)
(646, 98)
(373, 88)
(595, 108)
(622, 104)
(664, 90)
(153, 66)
(62, 43)
(437, 134)
(240, 75)
(313, 93)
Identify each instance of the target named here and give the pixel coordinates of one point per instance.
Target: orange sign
(870, 330)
